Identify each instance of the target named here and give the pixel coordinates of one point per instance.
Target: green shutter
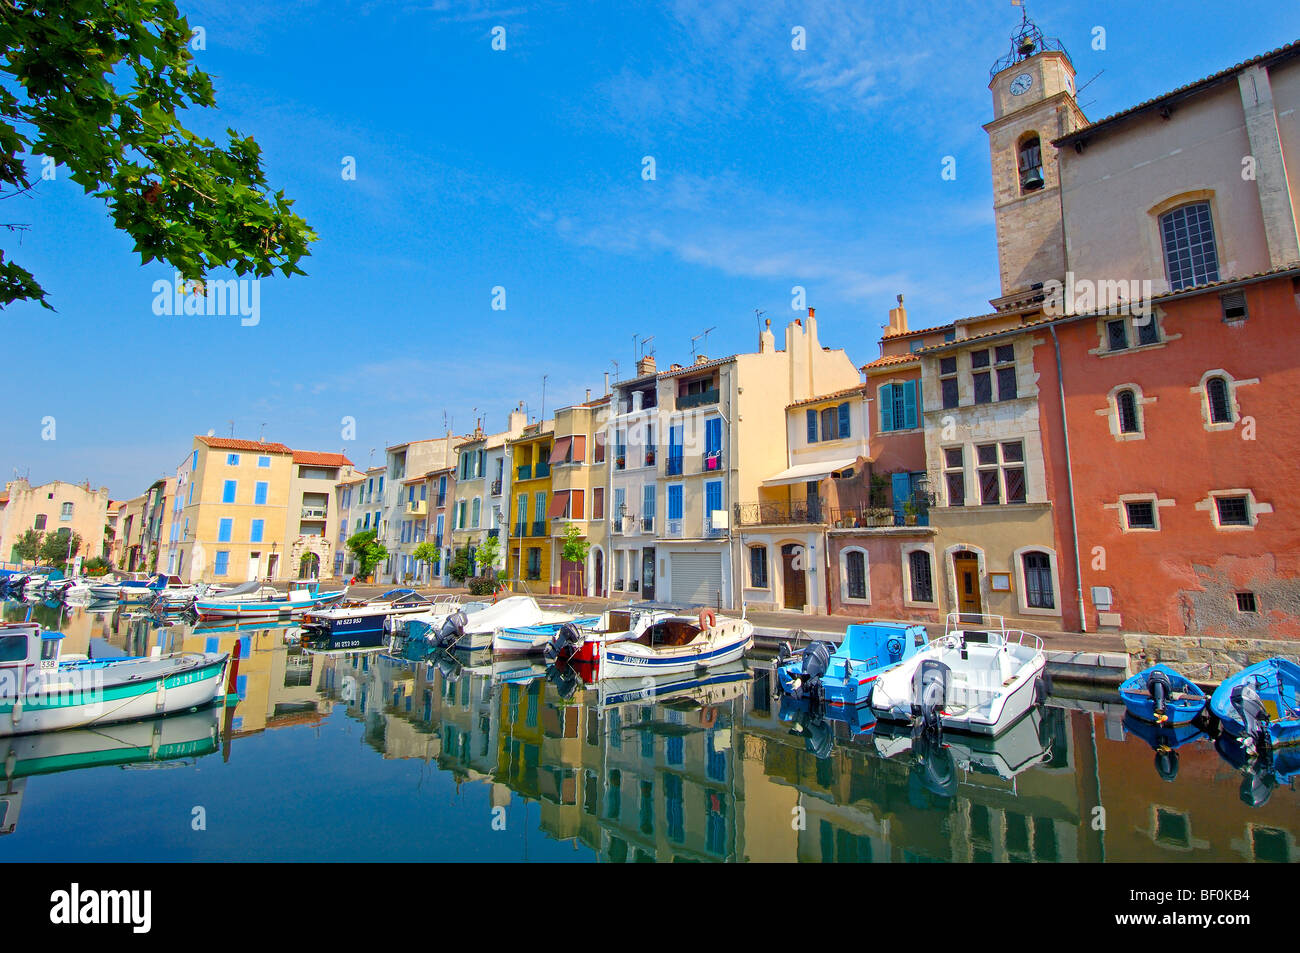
(887, 407)
(909, 405)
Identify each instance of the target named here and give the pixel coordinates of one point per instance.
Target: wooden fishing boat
(294, 602)
(40, 691)
(675, 644)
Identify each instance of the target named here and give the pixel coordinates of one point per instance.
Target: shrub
(482, 585)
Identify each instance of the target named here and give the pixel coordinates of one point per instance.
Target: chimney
(607, 382)
(518, 419)
(897, 320)
(645, 365)
(766, 339)
(674, 367)
(701, 359)
(588, 400)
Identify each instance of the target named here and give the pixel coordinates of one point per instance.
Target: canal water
(379, 757)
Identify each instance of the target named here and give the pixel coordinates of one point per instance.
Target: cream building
(53, 508)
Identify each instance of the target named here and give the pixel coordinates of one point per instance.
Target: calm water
(373, 757)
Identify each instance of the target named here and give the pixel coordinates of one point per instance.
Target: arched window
(1126, 405)
(1216, 394)
(855, 574)
(1187, 237)
(758, 567)
(40, 521)
(1038, 581)
(1031, 164)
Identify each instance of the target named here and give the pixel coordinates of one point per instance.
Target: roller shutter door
(696, 578)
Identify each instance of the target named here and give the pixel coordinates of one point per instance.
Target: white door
(254, 565)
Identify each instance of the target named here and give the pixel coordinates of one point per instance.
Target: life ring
(708, 716)
(708, 618)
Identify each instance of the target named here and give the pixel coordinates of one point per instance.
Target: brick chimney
(645, 365)
(701, 359)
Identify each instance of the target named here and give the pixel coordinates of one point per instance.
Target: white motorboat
(978, 677)
(363, 624)
(112, 588)
(576, 641)
(675, 643)
(40, 691)
(466, 629)
(262, 604)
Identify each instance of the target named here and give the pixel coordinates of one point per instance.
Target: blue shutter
(909, 405)
(901, 484)
(712, 499)
(675, 502)
(887, 407)
(713, 435)
(844, 420)
(812, 426)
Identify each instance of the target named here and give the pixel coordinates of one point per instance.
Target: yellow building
(529, 563)
(579, 482)
(53, 508)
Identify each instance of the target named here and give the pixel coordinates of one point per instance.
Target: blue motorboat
(1162, 696)
(1260, 705)
(1165, 740)
(843, 675)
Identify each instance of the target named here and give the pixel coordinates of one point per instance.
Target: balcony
(417, 507)
(647, 524)
(711, 462)
(620, 457)
(525, 472)
(543, 469)
(539, 528)
(649, 458)
(799, 512)
(313, 512)
(521, 530)
(673, 529)
(496, 487)
(673, 467)
(688, 401)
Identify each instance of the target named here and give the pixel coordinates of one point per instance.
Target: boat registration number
(189, 678)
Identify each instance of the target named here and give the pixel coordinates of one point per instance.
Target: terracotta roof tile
(226, 443)
(846, 392)
(889, 360)
(313, 458)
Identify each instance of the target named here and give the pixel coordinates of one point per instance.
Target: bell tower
(1033, 103)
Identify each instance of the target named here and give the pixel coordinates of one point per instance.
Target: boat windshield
(243, 589)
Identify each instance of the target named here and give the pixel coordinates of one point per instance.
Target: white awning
(809, 471)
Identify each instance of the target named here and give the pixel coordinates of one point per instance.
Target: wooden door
(966, 571)
(793, 579)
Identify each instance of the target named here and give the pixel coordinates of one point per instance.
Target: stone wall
(1204, 660)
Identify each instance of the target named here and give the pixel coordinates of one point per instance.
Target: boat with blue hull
(295, 602)
(1261, 705)
(843, 675)
(1162, 696)
(362, 625)
(41, 691)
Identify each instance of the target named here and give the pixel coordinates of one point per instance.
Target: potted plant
(909, 513)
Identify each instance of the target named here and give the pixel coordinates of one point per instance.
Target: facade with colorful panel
(578, 478)
(528, 564)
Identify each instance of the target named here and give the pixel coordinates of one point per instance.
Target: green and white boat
(39, 691)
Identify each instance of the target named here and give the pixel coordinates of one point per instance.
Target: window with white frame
(853, 573)
(1001, 471)
(758, 567)
(920, 575)
(1039, 588)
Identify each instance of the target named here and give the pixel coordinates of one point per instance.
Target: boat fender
(1040, 692)
(1161, 688)
(708, 618)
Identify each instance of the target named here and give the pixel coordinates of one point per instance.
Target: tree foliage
(367, 551)
(488, 555)
(58, 548)
(99, 87)
(575, 546)
(427, 552)
(460, 568)
(28, 545)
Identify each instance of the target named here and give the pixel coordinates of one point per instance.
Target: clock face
(1021, 84)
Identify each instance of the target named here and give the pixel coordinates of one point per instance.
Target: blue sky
(522, 169)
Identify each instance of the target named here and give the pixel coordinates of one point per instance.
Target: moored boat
(843, 675)
(261, 605)
(1260, 705)
(1162, 696)
(362, 624)
(978, 677)
(40, 691)
(674, 644)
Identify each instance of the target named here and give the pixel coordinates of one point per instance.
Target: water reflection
(707, 767)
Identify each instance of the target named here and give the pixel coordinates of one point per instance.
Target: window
(1216, 394)
(259, 492)
(539, 507)
(232, 459)
(1140, 514)
(758, 567)
(194, 461)
(1126, 406)
(922, 584)
(830, 424)
(1116, 335)
(1234, 307)
(474, 513)
(675, 501)
(1246, 602)
(712, 503)
(1191, 258)
(1001, 478)
(954, 473)
(899, 406)
(855, 574)
(224, 529)
(40, 521)
(222, 563)
(534, 563)
(1006, 371)
(1038, 581)
(1148, 331)
(255, 531)
(674, 451)
(1031, 165)
(648, 508)
(948, 381)
(228, 491)
(598, 503)
(981, 377)
(263, 462)
(1233, 510)
(713, 443)
(65, 511)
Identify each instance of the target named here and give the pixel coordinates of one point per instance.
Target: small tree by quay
(58, 548)
(28, 546)
(428, 552)
(460, 568)
(488, 555)
(576, 547)
(367, 551)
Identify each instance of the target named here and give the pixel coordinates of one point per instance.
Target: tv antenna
(232, 428)
(639, 349)
(704, 335)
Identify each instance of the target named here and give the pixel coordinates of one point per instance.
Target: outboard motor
(1166, 761)
(1161, 688)
(449, 667)
(565, 680)
(930, 691)
(1253, 716)
(564, 643)
(815, 660)
(452, 631)
(820, 739)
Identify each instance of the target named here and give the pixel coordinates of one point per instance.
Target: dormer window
(1031, 165)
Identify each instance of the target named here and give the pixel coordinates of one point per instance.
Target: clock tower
(1033, 103)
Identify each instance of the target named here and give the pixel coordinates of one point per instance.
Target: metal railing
(776, 512)
(539, 528)
(525, 472)
(543, 468)
(674, 465)
(710, 396)
(313, 512)
(496, 488)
